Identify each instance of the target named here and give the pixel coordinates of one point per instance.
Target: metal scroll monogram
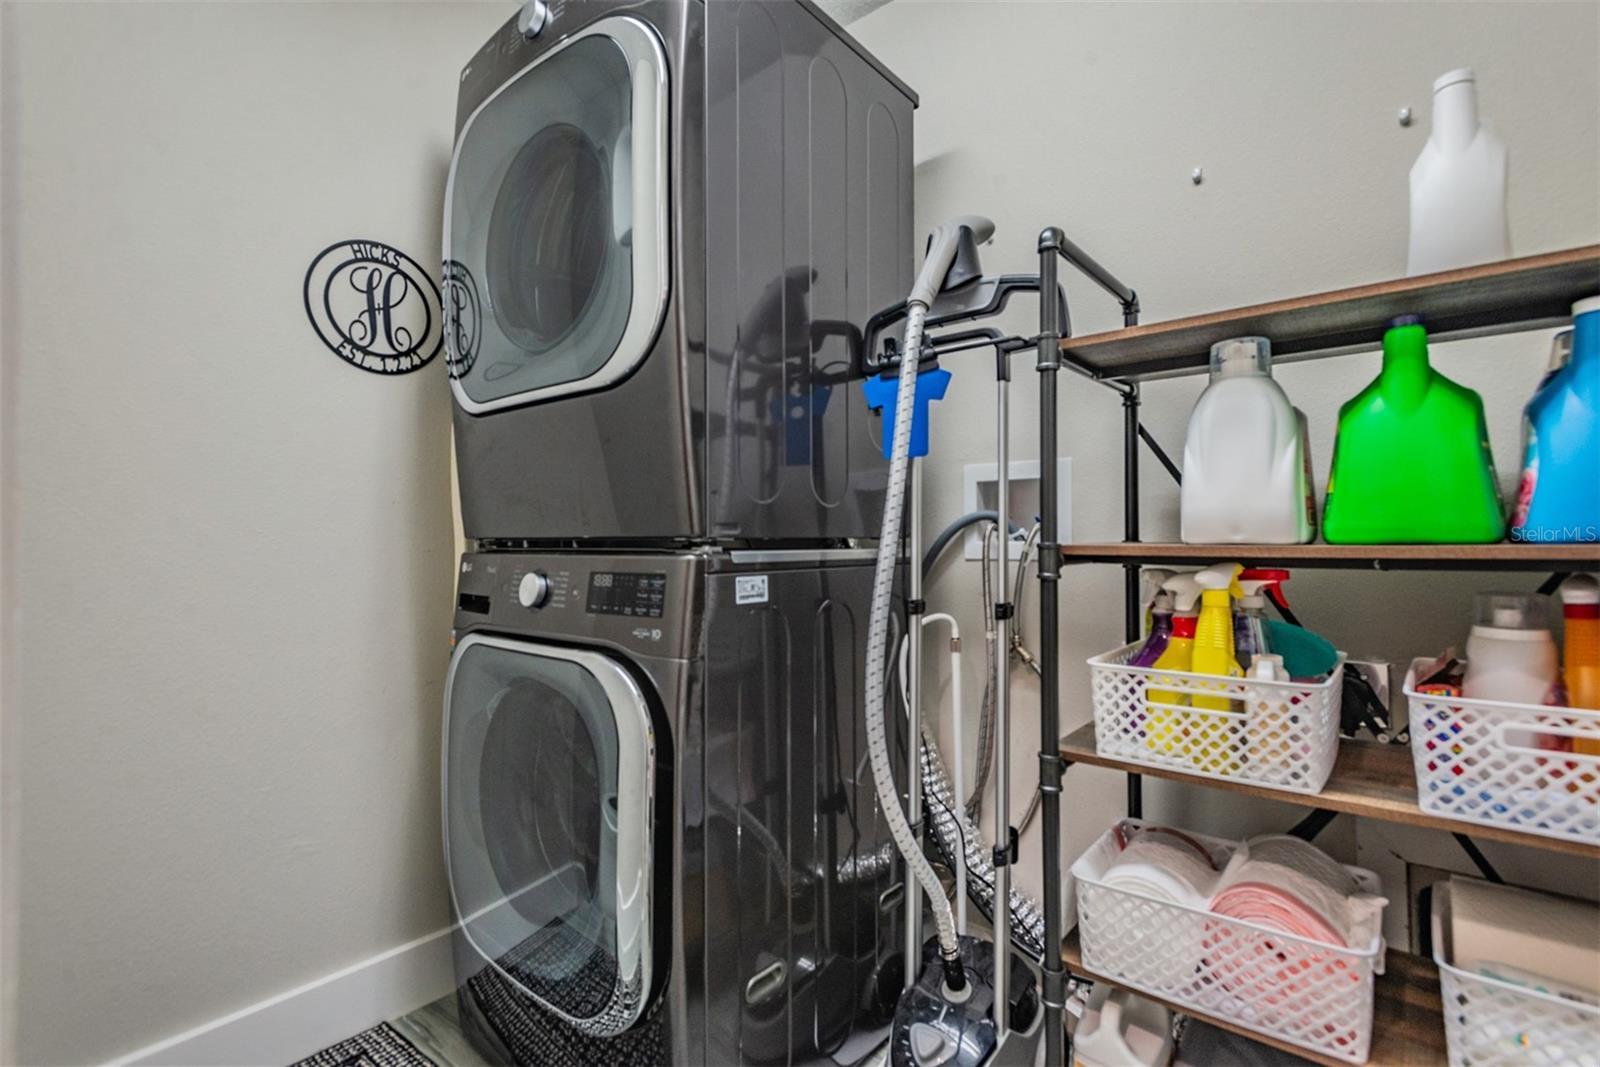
(463, 324)
(374, 306)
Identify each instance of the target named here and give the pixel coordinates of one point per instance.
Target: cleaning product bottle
(1411, 461)
(1151, 579)
(1213, 637)
(1160, 632)
(1273, 736)
(1165, 728)
(1244, 467)
(1510, 653)
(1558, 498)
(1580, 662)
(1580, 605)
(1250, 621)
(1458, 185)
(1272, 579)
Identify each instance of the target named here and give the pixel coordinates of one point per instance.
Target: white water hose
(941, 253)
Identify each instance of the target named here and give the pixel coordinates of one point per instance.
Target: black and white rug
(382, 1046)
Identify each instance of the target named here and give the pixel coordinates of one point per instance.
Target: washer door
(549, 775)
(555, 239)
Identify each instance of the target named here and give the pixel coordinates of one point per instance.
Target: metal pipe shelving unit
(1515, 295)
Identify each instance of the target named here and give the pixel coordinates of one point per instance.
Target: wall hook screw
(1197, 175)
(1404, 116)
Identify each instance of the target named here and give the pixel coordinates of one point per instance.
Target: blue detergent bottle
(1558, 499)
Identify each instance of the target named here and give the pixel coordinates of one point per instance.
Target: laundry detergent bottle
(1411, 462)
(1558, 497)
(1164, 727)
(1244, 463)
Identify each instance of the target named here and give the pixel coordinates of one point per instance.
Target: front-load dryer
(662, 834)
(667, 222)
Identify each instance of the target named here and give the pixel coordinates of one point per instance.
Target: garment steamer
(947, 1014)
(962, 1005)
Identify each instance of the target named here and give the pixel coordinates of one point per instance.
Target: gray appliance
(666, 224)
(663, 839)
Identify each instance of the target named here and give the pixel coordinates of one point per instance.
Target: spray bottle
(1151, 579)
(1213, 636)
(1250, 622)
(1160, 632)
(1164, 728)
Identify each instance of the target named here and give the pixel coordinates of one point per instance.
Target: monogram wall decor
(374, 306)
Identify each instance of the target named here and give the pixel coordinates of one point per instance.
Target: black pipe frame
(1053, 243)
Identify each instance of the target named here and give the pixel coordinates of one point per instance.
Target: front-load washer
(662, 834)
(666, 223)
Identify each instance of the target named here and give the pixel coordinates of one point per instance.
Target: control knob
(533, 590)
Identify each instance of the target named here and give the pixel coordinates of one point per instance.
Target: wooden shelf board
(1505, 555)
(1407, 1027)
(1514, 294)
(1369, 779)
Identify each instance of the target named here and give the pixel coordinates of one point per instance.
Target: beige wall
(234, 551)
(1091, 117)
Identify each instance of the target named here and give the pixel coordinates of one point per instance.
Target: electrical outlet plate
(979, 485)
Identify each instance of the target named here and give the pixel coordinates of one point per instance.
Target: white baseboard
(298, 1022)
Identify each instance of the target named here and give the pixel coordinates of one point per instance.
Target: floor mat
(382, 1046)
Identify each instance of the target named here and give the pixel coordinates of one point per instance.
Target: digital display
(627, 593)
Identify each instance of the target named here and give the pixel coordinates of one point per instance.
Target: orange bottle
(1580, 605)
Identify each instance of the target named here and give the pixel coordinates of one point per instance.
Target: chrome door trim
(647, 65)
(636, 762)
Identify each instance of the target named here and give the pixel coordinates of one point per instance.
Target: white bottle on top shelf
(1458, 185)
(1244, 464)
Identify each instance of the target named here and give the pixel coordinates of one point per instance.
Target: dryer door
(555, 237)
(549, 776)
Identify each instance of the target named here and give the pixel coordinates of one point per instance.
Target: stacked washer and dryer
(666, 223)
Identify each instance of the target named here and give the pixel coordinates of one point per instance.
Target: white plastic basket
(1282, 735)
(1491, 762)
(1489, 1022)
(1314, 995)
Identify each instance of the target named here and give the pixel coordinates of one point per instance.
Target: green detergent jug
(1411, 462)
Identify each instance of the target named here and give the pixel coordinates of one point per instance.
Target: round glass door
(555, 273)
(549, 772)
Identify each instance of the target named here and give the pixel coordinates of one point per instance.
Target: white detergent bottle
(1458, 185)
(1245, 477)
(1119, 1029)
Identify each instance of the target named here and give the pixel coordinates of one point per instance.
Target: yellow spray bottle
(1164, 727)
(1213, 635)
(1215, 743)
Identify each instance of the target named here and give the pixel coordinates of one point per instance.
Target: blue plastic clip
(881, 395)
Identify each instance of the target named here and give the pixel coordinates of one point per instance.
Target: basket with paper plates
(1530, 766)
(1278, 734)
(1271, 934)
(1518, 984)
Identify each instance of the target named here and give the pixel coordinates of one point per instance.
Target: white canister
(1511, 655)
